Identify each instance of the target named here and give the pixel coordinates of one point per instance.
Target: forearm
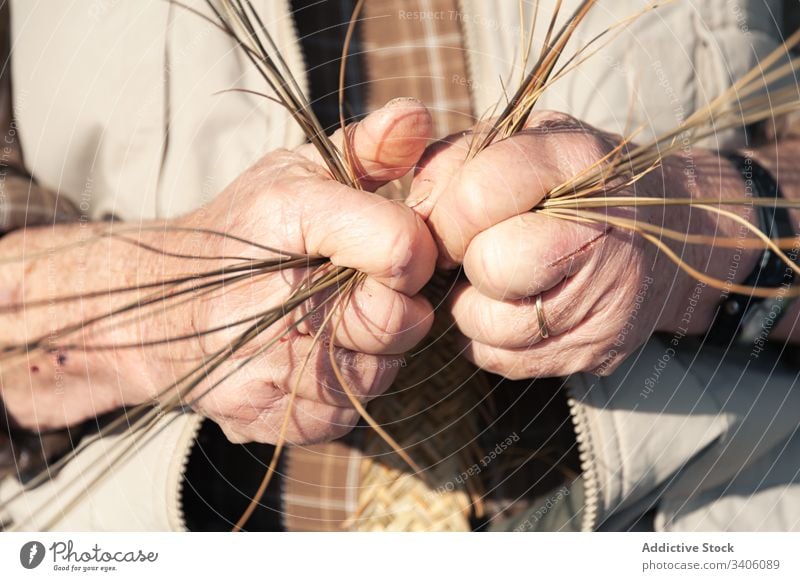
(701, 174)
(714, 177)
(40, 382)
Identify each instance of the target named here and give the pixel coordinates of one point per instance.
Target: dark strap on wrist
(745, 318)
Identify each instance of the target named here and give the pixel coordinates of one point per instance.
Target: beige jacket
(711, 444)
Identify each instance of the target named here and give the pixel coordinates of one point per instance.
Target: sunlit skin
(477, 215)
(591, 277)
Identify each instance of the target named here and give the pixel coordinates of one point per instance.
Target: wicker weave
(432, 411)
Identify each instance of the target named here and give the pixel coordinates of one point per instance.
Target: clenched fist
(286, 201)
(551, 297)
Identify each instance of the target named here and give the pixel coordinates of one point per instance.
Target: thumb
(387, 143)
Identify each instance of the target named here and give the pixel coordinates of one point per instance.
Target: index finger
(365, 231)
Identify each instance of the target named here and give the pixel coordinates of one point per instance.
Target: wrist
(691, 308)
(164, 342)
(65, 381)
(779, 157)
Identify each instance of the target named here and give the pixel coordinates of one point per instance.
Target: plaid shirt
(415, 48)
(403, 55)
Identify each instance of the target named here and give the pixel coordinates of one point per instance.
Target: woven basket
(432, 412)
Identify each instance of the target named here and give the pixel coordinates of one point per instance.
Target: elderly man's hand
(603, 291)
(287, 201)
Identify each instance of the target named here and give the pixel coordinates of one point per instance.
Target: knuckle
(489, 359)
(392, 317)
(551, 116)
(527, 328)
(232, 433)
(363, 377)
(334, 422)
(485, 327)
(368, 376)
(381, 381)
(400, 248)
(457, 223)
(395, 247)
(474, 189)
(378, 379)
(523, 368)
(513, 365)
(498, 328)
(488, 265)
(290, 169)
(590, 361)
(391, 321)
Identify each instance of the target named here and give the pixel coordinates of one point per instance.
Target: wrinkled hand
(288, 201)
(603, 290)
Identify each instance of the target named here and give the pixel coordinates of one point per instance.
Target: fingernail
(420, 191)
(403, 101)
(415, 203)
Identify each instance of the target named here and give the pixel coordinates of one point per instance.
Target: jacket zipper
(184, 446)
(591, 482)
